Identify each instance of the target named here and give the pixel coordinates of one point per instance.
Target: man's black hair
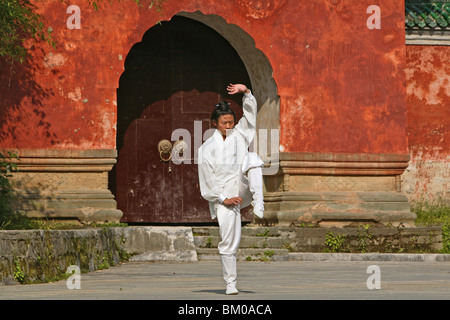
(222, 108)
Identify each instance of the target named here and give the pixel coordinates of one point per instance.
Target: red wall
(341, 85)
(428, 101)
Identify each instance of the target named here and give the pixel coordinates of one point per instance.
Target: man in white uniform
(230, 176)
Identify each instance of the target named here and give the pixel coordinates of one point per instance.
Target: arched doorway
(172, 80)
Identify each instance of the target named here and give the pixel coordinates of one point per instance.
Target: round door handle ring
(165, 148)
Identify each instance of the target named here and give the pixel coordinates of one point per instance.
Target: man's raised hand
(237, 88)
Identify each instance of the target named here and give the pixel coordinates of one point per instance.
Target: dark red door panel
(172, 80)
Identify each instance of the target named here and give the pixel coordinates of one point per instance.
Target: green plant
(10, 218)
(209, 242)
(288, 246)
(431, 212)
(269, 253)
(435, 212)
(265, 233)
(7, 168)
(7, 213)
(19, 275)
(104, 264)
(334, 243)
(19, 22)
(363, 237)
(446, 237)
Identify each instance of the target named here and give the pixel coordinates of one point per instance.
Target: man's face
(224, 123)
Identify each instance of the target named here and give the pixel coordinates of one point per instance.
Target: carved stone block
(337, 190)
(65, 184)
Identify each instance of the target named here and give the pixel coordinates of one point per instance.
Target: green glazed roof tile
(424, 14)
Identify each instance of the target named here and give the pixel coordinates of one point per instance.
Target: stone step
(246, 254)
(246, 231)
(257, 243)
(290, 240)
(246, 242)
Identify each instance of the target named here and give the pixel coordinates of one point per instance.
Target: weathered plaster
(341, 85)
(428, 103)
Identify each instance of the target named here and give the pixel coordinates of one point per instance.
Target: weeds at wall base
(434, 213)
(45, 255)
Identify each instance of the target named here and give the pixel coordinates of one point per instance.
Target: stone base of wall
(65, 184)
(45, 255)
(337, 190)
(385, 240)
(337, 209)
(311, 188)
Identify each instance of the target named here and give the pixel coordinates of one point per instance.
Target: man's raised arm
(247, 124)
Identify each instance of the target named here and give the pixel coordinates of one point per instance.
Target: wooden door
(172, 80)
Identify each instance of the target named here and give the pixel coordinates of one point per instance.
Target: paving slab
(257, 280)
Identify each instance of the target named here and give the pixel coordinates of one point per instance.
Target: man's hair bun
(222, 108)
(223, 105)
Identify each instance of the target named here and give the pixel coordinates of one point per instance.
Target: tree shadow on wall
(18, 91)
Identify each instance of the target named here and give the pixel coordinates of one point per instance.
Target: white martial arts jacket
(220, 161)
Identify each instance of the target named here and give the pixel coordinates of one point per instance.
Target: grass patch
(435, 213)
(432, 212)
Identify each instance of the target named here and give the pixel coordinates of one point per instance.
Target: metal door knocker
(165, 150)
(168, 153)
(179, 151)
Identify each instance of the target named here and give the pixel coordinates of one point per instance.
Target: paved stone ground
(274, 280)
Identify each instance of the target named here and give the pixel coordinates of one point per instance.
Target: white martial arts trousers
(229, 217)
